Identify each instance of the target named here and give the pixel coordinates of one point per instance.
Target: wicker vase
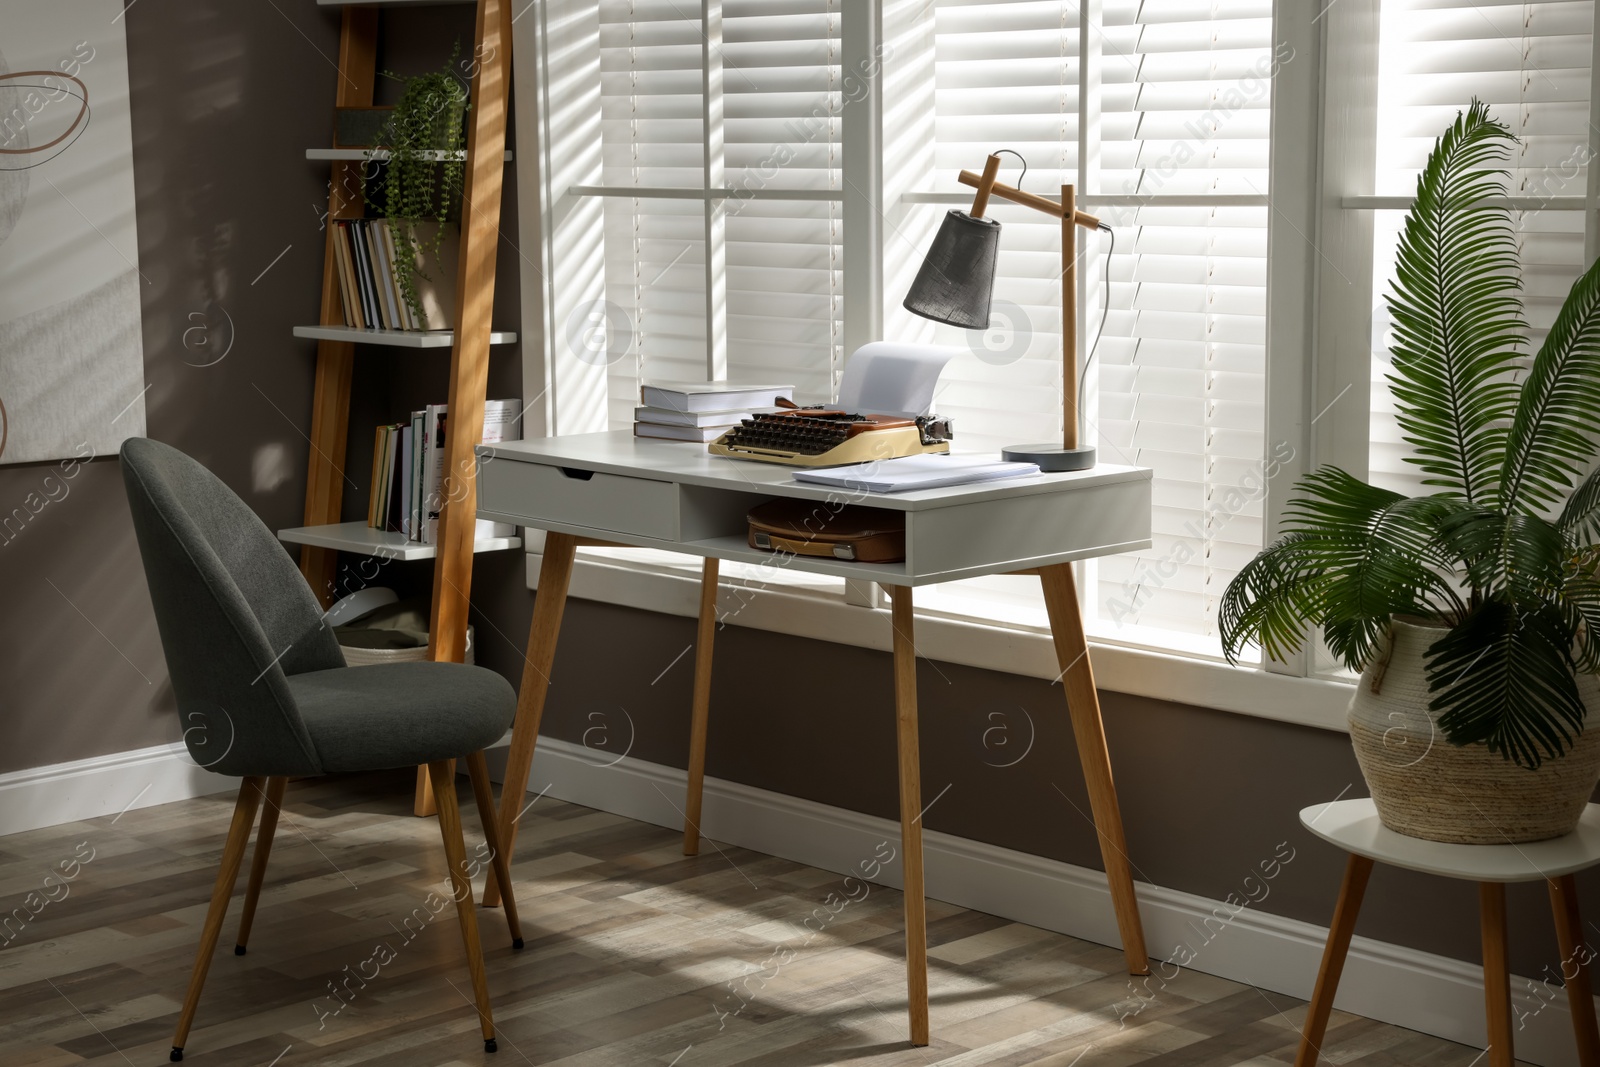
(1426, 787)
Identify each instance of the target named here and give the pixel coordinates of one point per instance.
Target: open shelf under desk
(393, 3)
(395, 338)
(359, 155)
(363, 540)
(736, 548)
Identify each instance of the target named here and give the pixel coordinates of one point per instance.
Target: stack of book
(365, 252)
(409, 484)
(701, 411)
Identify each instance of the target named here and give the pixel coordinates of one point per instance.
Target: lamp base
(1050, 458)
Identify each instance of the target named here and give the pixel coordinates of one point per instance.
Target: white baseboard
(103, 785)
(1418, 990)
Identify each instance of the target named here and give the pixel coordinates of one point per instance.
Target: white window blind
(783, 87)
(652, 134)
(1530, 63)
(1186, 112)
(1184, 96)
(768, 126)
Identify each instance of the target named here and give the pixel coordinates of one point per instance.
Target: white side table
(1353, 825)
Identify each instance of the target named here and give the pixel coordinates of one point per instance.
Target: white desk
(1353, 825)
(617, 489)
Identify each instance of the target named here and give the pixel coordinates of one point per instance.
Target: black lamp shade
(957, 276)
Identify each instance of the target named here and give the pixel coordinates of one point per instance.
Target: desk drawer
(537, 493)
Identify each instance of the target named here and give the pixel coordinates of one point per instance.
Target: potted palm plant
(1473, 613)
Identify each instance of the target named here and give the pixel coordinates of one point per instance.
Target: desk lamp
(956, 283)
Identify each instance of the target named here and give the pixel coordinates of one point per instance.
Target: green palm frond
(1353, 641)
(1457, 317)
(1553, 434)
(1354, 556)
(1273, 600)
(1580, 598)
(1511, 555)
(1384, 549)
(1504, 678)
(1580, 518)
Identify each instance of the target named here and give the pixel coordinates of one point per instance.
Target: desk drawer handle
(574, 472)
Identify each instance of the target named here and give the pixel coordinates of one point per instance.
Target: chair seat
(401, 714)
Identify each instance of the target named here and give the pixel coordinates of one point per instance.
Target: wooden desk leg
(1351, 890)
(555, 572)
(1496, 973)
(1083, 705)
(701, 708)
(1575, 967)
(905, 706)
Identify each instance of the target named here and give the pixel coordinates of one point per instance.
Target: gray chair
(264, 693)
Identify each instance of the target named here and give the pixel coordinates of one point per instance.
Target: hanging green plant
(426, 167)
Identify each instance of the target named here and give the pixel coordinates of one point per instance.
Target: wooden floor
(635, 955)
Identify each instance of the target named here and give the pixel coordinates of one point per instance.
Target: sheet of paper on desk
(916, 472)
(889, 378)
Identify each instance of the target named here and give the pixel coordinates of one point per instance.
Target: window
(702, 174)
(696, 180)
(1531, 63)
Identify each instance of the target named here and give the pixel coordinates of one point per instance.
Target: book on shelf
(383, 503)
(382, 275)
(409, 481)
(347, 278)
(679, 433)
(699, 397)
(365, 252)
(364, 276)
(668, 417)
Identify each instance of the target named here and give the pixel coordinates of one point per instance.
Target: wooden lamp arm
(986, 185)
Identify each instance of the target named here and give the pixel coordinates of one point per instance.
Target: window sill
(824, 616)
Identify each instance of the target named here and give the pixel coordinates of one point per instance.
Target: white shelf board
(363, 540)
(394, 338)
(356, 155)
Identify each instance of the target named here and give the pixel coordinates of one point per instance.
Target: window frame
(1312, 168)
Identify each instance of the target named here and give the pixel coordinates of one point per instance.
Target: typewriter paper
(887, 378)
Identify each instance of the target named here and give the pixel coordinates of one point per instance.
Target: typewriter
(828, 437)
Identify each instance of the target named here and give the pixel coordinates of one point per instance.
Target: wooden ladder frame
(483, 184)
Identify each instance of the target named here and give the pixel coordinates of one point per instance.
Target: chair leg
(483, 795)
(244, 816)
(443, 776)
(258, 861)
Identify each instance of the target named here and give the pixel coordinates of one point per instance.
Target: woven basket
(367, 657)
(1426, 787)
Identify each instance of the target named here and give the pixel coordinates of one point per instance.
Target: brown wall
(226, 98)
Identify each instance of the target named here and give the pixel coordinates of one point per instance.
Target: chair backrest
(235, 615)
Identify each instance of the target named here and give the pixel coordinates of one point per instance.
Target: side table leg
(1575, 967)
(701, 708)
(905, 706)
(1496, 972)
(555, 572)
(1343, 927)
(1083, 706)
